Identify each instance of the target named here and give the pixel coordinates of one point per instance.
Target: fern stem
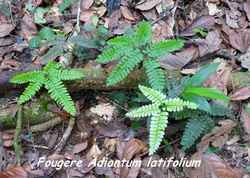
(17, 140)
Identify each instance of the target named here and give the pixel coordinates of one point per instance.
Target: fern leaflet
(164, 47)
(194, 129)
(143, 33)
(155, 74)
(158, 125)
(144, 111)
(29, 92)
(126, 65)
(153, 95)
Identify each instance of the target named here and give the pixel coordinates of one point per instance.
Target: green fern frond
(70, 74)
(143, 33)
(121, 41)
(109, 54)
(155, 74)
(163, 47)
(34, 76)
(51, 77)
(59, 93)
(177, 104)
(195, 128)
(158, 125)
(124, 67)
(153, 95)
(29, 92)
(144, 111)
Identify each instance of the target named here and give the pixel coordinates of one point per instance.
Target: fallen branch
(17, 139)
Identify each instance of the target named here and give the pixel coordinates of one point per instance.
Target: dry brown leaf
(106, 111)
(14, 172)
(147, 5)
(86, 15)
(245, 118)
(218, 136)
(80, 147)
(246, 8)
(210, 44)
(245, 59)
(86, 4)
(212, 166)
(94, 152)
(28, 27)
(180, 59)
(5, 29)
(134, 147)
(241, 94)
(126, 13)
(221, 78)
(239, 40)
(206, 22)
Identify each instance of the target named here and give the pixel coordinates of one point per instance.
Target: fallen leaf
(86, 4)
(212, 8)
(240, 39)
(206, 22)
(245, 118)
(210, 44)
(79, 147)
(221, 78)
(94, 152)
(212, 166)
(112, 130)
(179, 59)
(246, 8)
(241, 94)
(218, 136)
(5, 29)
(28, 27)
(106, 111)
(14, 172)
(134, 147)
(147, 5)
(245, 59)
(126, 13)
(86, 15)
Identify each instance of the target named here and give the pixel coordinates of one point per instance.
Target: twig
(66, 135)
(42, 127)
(46, 125)
(17, 140)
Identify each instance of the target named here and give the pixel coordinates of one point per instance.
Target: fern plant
(200, 121)
(130, 50)
(159, 111)
(51, 77)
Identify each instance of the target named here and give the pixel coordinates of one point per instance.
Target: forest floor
(213, 30)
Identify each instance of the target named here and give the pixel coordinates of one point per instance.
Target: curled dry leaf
(180, 59)
(241, 94)
(212, 166)
(14, 172)
(218, 136)
(206, 22)
(147, 5)
(5, 29)
(126, 13)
